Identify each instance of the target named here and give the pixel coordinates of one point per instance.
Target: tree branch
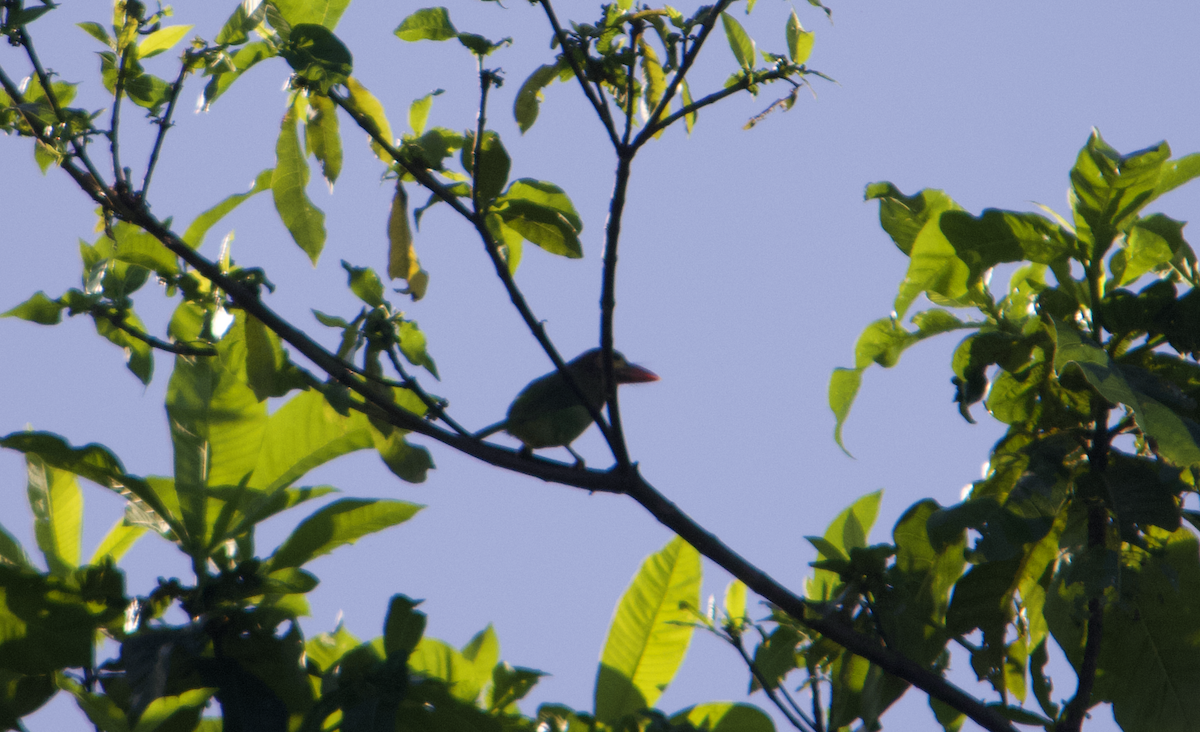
(182, 349)
(595, 96)
(685, 65)
(669, 515)
(48, 89)
(804, 723)
(165, 123)
(653, 129)
(114, 125)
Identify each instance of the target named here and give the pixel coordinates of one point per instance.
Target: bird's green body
(548, 412)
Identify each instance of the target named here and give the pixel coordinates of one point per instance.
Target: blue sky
(749, 264)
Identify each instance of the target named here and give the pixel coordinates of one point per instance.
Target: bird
(548, 412)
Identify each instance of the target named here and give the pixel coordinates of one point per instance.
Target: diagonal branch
(165, 124)
(800, 721)
(660, 124)
(595, 95)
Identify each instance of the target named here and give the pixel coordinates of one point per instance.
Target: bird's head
(592, 362)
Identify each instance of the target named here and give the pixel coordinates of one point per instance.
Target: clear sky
(749, 265)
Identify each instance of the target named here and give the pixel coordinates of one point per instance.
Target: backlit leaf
(304, 221)
(649, 635)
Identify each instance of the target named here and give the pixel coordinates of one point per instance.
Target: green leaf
(161, 40)
(322, 12)
(934, 267)
(481, 46)
(269, 371)
(100, 709)
(544, 194)
(217, 426)
(97, 31)
(138, 247)
(494, 165)
(341, 522)
(799, 41)
(510, 685)
(435, 659)
(1149, 664)
(1150, 243)
(903, 217)
(950, 718)
(11, 551)
(237, 28)
(427, 24)
(546, 227)
(182, 710)
(238, 63)
(483, 651)
(650, 632)
(319, 59)
(529, 97)
(412, 345)
(724, 717)
(408, 462)
(418, 111)
(117, 541)
(322, 139)
(139, 357)
(739, 42)
(1177, 438)
(656, 80)
(366, 104)
(194, 235)
(848, 531)
(303, 220)
(38, 309)
(1109, 189)
(365, 284)
(403, 626)
(735, 602)
(882, 342)
(402, 256)
(57, 505)
(47, 623)
(93, 462)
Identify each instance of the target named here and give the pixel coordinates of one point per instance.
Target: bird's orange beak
(634, 374)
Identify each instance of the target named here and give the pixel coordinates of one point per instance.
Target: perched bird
(548, 413)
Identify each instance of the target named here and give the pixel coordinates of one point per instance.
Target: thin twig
(48, 89)
(674, 117)
(114, 125)
(803, 723)
(595, 96)
(485, 83)
(165, 123)
(433, 405)
(685, 65)
(814, 683)
(630, 78)
(181, 349)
